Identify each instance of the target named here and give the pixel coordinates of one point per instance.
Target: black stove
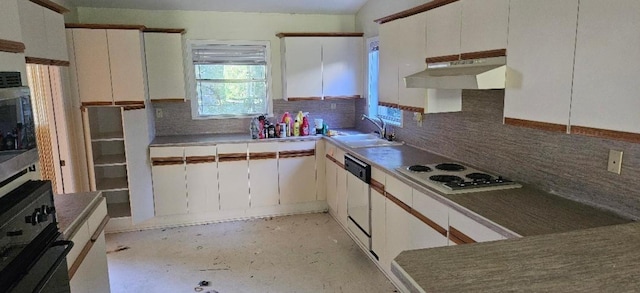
(419, 168)
(450, 167)
(445, 178)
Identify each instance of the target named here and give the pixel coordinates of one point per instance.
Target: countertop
(73, 209)
(212, 139)
(601, 259)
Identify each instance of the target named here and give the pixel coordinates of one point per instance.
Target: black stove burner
(445, 178)
(450, 167)
(479, 176)
(419, 168)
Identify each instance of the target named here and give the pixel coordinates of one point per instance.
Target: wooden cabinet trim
(45, 61)
(297, 154)
(87, 247)
(200, 159)
(95, 104)
(234, 157)
(411, 109)
(288, 35)
(390, 105)
(293, 99)
(129, 103)
(429, 222)
(484, 54)
(167, 161)
(458, 237)
(604, 133)
(398, 202)
(536, 125)
(105, 26)
(439, 59)
(415, 10)
(11, 46)
(263, 156)
(377, 186)
(343, 97)
(51, 6)
(165, 30)
(168, 100)
(134, 107)
(332, 159)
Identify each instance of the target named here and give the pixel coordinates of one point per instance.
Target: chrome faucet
(381, 126)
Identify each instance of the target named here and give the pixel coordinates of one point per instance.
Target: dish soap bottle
(296, 128)
(304, 128)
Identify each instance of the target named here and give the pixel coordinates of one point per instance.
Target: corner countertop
(601, 259)
(73, 209)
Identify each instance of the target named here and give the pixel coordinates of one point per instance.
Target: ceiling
(268, 6)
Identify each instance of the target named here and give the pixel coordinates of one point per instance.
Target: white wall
(375, 9)
(227, 26)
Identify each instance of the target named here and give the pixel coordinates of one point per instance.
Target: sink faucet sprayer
(381, 126)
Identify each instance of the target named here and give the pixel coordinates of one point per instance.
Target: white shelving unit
(107, 158)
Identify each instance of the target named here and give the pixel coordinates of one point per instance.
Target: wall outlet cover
(615, 161)
(159, 113)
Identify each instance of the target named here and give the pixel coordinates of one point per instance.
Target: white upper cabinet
(42, 32)
(388, 79)
(540, 54)
(342, 64)
(322, 67)
(10, 21)
(607, 66)
(411, 58)
(443, 30)
(109, 65)
(484, 25)
(165, 66)
(302, 67)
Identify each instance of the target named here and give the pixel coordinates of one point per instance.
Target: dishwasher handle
(358, 168)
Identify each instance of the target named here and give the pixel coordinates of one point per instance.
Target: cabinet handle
(297, 154)
(458, 237)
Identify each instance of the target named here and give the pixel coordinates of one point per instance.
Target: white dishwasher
(358, 199)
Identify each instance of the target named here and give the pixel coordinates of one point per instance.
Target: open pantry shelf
(110, 160)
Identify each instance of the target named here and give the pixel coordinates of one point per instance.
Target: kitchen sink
(365, 141)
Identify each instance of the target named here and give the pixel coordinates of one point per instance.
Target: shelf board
(110, 160)
(112, 184)
(108, 136)
(119, 210)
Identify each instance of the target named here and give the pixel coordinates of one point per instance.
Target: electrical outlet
(333, 106)
(159, 113)
(615, 161)
(418, 117)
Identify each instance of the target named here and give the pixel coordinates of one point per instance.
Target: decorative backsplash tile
(571, 166)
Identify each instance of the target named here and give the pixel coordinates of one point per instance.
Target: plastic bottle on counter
(296, 128)
(254, 129)
(304, 128)
(286, 118)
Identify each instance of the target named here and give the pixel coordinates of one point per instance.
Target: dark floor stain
(118, 249)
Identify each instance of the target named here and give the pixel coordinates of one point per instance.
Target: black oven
(32, 251)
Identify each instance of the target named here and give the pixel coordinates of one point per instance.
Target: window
(392, 116)
(230, 79)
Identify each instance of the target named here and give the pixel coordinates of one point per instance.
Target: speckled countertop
(73, 209)
(601, 259)
(212, 139)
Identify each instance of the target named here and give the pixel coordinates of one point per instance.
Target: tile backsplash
(177, 119)
(570, 166)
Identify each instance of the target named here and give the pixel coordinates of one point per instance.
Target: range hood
(485, 73)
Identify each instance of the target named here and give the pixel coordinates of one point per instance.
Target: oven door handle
(57, 263)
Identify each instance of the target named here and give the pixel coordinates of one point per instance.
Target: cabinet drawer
(232, 148)
(378, 175)
(265, 147)
(470, 228)
(80, 239)
(330, 149)
(95, 219)
(431, 208)
(399, 190)
(297, 146)
(198, 151)
(164, 152)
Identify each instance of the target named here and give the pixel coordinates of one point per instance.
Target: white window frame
(372, 106)
(191, 76)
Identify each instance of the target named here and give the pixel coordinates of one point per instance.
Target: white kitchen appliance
(359, 199)
(454, 178)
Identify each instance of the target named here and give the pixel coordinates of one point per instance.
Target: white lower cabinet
(467, 230)
(169, 186)
(202, 179)
(341, 195)
(331, 177)
(297, 172)
(378, 226)
(233, 174)
(263, 182)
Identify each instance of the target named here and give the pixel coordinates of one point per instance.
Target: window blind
(229, 54)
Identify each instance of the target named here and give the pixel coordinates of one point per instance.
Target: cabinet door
(92, 65)
(126, 61)
(302, 67)
(233, 176)
(263, 181)
(202, 179)
(388, 62)
(170, 189)
(32, 25)
(443, 30)
(321, 185)
(484, 25)
(331, 177)
(297, 169)
(10, 21)
(342, 64)
(378, 227)
(411, 59)
(472, 229)
(93, 273)
(165, 69)
(398, 232)
(607, 66)
(540, 57)
(341, 195)
(137, 138)
(56, 42)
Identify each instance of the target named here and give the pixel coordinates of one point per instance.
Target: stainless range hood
(485, 73)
